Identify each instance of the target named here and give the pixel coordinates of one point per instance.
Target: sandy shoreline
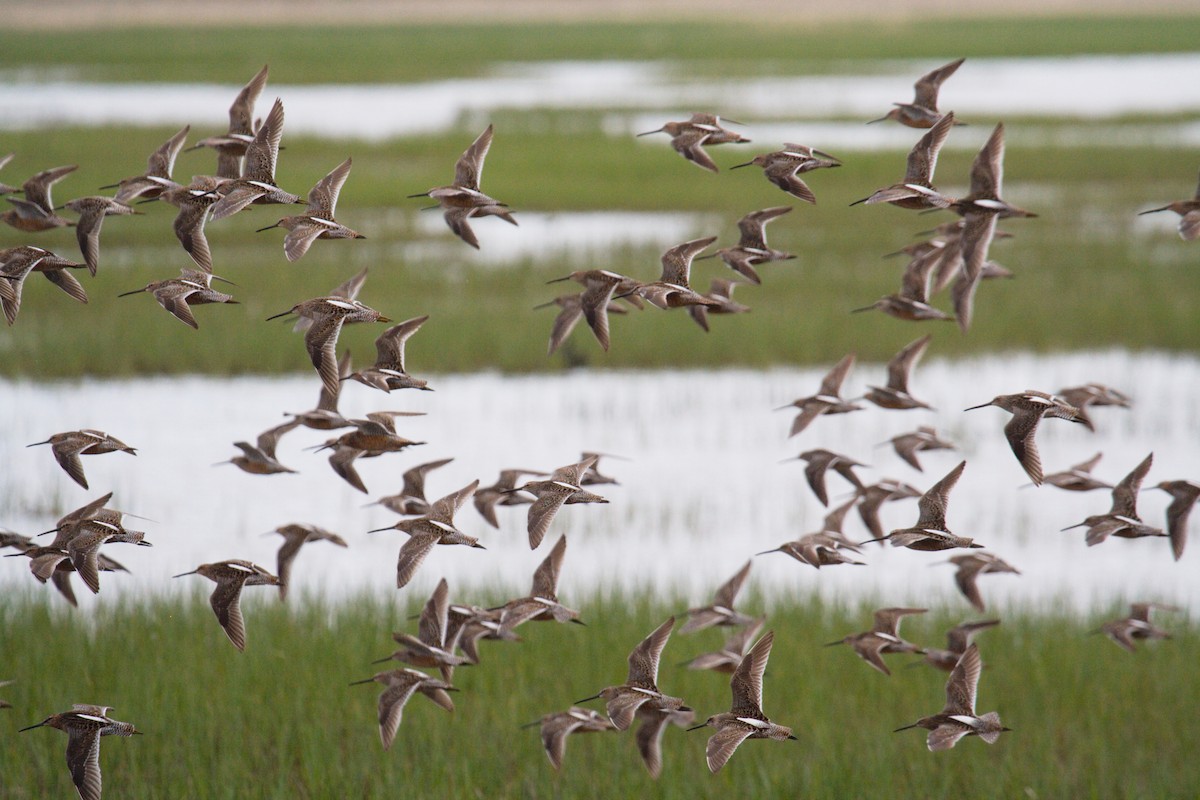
(75, 14)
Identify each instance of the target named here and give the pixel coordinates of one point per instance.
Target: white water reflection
(1086, 87)
(702, 491)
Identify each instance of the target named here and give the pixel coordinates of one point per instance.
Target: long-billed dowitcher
(745, 719)
(36, 212)
(157, 176)
(296, 535)
(231, 146)
(1027, 409)
(641, 687)
(970, 566)
(17, 263)
(436, 527)
(388, 372)
(463, 198)
(410, 500)
(817, 550)
(819, 461)
(68, 446)
(556, 727)
(194, 202)
(259, 458)
(1137, 625)
(193, 287)
(541, 604)
(4, 187)
(958, 639)
(84, 724)
(230, 576)
(371, 437)
(871, 499)
(594, 303)
(329, 314)
(689, 137)
(257, 181)
(347, 290)
(752, 247)
(1184, 495)
(783, 168)
(1189, 215)
(895, 395)
(1093, 394)
(720, 290)
(720, 611)
(1078, 478)
(326, 417)
(732, 651)
(84, 547)
(654, 722)
(930, 532)
(433, 646)
(672, 289)
(907, 445)
(5, 703)
(827, 400)
(922, 112)
(399, 685)
(912, 301)
(1122, 518)
(916, 190)
(317, 221)
(503, 492)
(562, 487)
(884, 637)
(571, 310)
(92, 210)
(957, 718)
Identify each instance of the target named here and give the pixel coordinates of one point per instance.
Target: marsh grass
(281, 721)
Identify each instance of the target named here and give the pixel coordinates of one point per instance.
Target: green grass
(281, 721)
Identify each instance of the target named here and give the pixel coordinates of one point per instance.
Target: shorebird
(84, 547)
(732, 651)
(895, 395)
(436, 527)
(410, 500)
(957, 719)
(916, 190)
(1122, 518)
(259, 458)
(649, 734)
(930, 532)
(347, 290)
(326, 417)
(463, 199)
(752, 248)
(542, 601)
(907, 445)
(783, 168)
(317, 221)
(556, 727)
(641, 687)
(871, 498)
(745, 720)
(1184, 495)
(827, 400)
(1093, 394)
(399, 685)
(257, 181)
(157, 176)
(823, 548)
(884, 637)
(571, 310)
(922, 112)
(1079, 477)
(388, 372)
(296, 535)
(92, 211)
(433, 646)
(194, 202)
(4, 187)
(720, 290)
(912, 301)
(562, 487)
(970, 567)
(958, 639)
(1137, 625)
(1027, 409)
(84, 724)
(720, 611)
(819, 461)
(1189, 215)
(371, 437)
(4, 703)
(592, 476)
(594, 303)
(690, 136)
(70, 445)
(37, 212)
(230, 576)
(232, 145)
(193, 287)
(328, 315)
(503, 492)
(672, 290)
(17, 263)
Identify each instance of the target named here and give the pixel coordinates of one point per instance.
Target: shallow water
(1085, 87)
(702, 490)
